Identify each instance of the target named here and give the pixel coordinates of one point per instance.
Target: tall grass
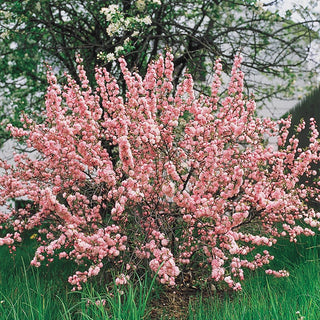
(265, 297)
(128, 302)
(32, 294)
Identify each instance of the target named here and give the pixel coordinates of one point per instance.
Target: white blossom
(126, 41)
(118, 49)
(113, 28)
(140, 4)
(110, 11)
(38, 6)
(147, 20)
(111, 57)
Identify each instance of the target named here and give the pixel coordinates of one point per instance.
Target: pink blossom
(158, 177)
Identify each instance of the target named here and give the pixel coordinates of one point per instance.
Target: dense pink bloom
(158, 177)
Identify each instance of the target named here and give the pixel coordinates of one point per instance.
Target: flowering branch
(155, 178)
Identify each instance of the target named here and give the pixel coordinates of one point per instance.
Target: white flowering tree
(120, 25)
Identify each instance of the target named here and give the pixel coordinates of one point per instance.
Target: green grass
(266, 297)
(29, 293)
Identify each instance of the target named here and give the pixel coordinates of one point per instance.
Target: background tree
(306, 109)
(303, 116)
(198, 31)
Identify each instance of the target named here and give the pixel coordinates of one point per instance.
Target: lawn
(30, 293)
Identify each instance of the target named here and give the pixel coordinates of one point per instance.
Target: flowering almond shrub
(147, 177)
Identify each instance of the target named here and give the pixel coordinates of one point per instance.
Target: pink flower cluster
(153, 177)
